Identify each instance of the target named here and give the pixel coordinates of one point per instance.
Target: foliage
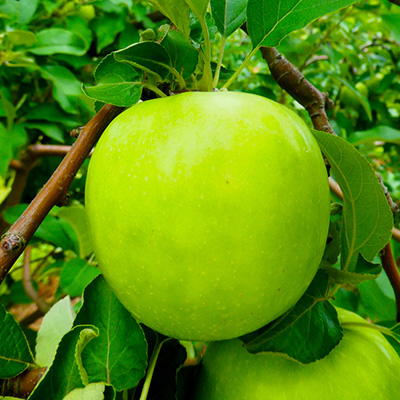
(61, 60)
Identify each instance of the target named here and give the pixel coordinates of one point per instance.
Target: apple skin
(363, 366)
(208, 212)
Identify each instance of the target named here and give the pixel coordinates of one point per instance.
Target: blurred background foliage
(48, 49)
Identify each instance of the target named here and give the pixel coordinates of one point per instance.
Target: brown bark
(293, 81)
(390, 267)
(22, 385)
(54, 191)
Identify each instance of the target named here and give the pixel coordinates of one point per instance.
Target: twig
(22, 385)
(293, 81)
(15, 240)
(42, 150)
(27, 283)
(390, 267)
(335, 188)
(31, 318)
(315, 59)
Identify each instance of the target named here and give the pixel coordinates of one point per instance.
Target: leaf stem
(219, 64)
(150, 369)
(206, 80)
(382, 329)
(240, 69)
(178, 76)
(154, 89)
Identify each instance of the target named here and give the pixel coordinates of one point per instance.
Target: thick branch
(293, 81)
(22, 385)
(15, 240)
(390, 267)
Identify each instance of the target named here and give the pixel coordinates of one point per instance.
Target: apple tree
(203, 208)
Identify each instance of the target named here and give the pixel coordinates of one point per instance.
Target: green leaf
(363, 101)
(66, 87)
(5, 150)
(269, 21)
(177, 12)
(5, 184)
(102, 23)
(117, 83)
(306, 333)
(75, 215)
(228, 15)
(332, 248)
(119, 355)
(63, 375)
(150, 57)
(15, 354)
(27, 10)
(58, 41)
(50, 112)
(381, 133)
(21, 38)
(52, 230)
(367, 218)
(76, 275)
(93, 391)
(392, 21)
(52, 131)
(363, 271)
(394, 335)
(199, 7)
(184, 57)
(377, 300)
(56, 323)
(9, 109)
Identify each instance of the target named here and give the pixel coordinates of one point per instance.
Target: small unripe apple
(208, 212)
(364, 366)
(87, 12)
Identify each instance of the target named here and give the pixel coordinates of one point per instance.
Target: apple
(363, 366)
(208, 212)
(87, 12)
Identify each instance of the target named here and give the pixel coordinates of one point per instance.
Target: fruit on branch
(208, 212)
(87, 12)
(363, 366)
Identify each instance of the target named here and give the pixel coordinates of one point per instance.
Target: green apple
(208, 212)
(87, 12)
(364, 366)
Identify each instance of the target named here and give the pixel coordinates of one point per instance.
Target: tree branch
(54, 191)
(396, 2)
(293, 81)
(22, 385)
(390, 267)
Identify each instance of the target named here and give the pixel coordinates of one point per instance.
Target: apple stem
(150, 369)
(219, 64)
